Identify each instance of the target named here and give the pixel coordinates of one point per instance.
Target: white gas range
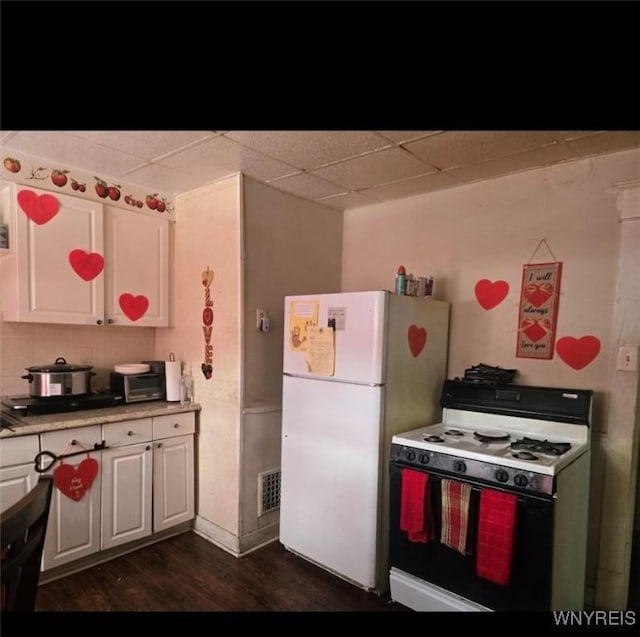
(531, 442)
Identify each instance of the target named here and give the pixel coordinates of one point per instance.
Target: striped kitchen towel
(455, 514)
(496, 530)
(415, 506)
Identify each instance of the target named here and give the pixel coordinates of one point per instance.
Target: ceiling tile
(310, 149)
(145, 144)
(73, 152)
(171, 180)
(376, 168)
(401, 136)
(452, 149)
(348, 200)
(221, 156)
(605, 142)
(307, 186)
(413, 186)
(543, 156)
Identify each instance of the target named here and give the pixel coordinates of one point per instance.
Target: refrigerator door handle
(333, 380)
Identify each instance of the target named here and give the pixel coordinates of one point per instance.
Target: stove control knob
(424, 458)
(502, 475)
(521, 480)
(459, 466)
(410, 455)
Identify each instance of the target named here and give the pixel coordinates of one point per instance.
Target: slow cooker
(59, 379)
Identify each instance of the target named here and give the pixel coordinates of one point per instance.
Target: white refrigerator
(358, 367)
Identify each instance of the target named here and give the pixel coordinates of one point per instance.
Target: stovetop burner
(524, 455)
(433, 438)
(453, 432)
(541, 446)
(491, 436)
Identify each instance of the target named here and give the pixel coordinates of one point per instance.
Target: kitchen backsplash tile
(25, 344)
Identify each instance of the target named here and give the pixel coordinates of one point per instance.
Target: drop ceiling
(339, 169)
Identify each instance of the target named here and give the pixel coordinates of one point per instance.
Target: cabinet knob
(175, 425)
(110, 321)
(74, 443)
(159, 444)
(147, 447)
(99, 321)
(129, 433)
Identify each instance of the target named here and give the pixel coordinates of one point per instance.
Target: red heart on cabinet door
(417, 339)
(491, 293)
(86, 265)
(133, 307)
(75, 482)
(577, 352)
(39, 208)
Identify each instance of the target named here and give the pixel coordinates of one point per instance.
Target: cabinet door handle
(147, 447)
(99, 321)
(159, 444)
(175, 425)
(129, 433)
(110, 321)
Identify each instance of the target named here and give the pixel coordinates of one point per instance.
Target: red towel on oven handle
(496, 531)
(415, 506)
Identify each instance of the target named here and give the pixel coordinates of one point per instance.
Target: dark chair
(22, 531)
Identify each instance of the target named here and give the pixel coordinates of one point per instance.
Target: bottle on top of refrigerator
(401, 280)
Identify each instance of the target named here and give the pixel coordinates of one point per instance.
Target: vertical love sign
(538, 311)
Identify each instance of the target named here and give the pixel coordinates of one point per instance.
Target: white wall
(290, 246)
(490, 230)
(207, 234)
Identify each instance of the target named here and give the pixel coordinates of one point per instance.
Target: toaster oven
(138, 387)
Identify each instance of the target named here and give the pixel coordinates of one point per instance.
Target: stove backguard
(526, 401)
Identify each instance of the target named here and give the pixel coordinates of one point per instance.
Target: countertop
(15, 425)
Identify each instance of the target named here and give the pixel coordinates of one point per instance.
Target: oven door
(436, 563)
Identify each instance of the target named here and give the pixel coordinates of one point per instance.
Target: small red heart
(490, 293)
(133, 306)
(207, 370)
(86, 265)
(538, 293)
(39, 208)
(74, 482)
(417, 339)
(577, 352)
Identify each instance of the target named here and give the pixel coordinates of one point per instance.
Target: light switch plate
(628, 358)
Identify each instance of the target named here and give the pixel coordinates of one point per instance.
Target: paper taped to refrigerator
(302, 315)
(320, 355)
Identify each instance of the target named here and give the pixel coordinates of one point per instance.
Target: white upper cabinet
(137, 276)
(54, 271)
(75, 261)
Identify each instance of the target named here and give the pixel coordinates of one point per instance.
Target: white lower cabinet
(126, 482)
(73, 530)
(173, 500)
(17, 470)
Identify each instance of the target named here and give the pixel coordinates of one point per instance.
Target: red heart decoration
(207, 370)
(417, 339)
(39, 208)
(535, 329)
(538, 293)
(74, 482)
(489, 293)
(133, 306)
(86, 265)
(577, 352)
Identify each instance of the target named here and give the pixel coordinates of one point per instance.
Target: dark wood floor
(188, 573)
